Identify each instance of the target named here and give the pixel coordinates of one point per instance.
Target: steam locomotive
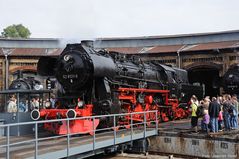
(100, 82)
(231, 80)
(28, 83)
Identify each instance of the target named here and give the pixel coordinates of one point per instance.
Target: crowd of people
(26, 105)
(216, 114)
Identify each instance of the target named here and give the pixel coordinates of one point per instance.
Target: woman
(226, 114)
(194, 118)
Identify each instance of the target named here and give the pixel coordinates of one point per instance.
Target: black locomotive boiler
(25, 83)
(100, 82)
(28, 83)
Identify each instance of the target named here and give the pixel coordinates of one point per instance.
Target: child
(205, 120)
(220, 119)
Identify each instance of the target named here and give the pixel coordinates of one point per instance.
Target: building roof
(32, 52)
(131, 50)
(132, 45)
(181, 48)
(171, 36)
(127, 50)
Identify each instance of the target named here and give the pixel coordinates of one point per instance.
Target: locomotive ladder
(42, 145)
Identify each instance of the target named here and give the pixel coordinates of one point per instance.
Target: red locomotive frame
(170, 106)
(128, 98)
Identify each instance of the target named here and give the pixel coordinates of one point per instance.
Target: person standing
(220, 120)
(194, 118)
(35, 104)
(53, 101)
(220, 116)
(234, 113)
(206, 102)
(12, 104)
(205, 121)
(226, 115)
(214, 109)
(235, 100)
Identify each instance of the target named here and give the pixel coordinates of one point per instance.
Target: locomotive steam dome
(73, 69)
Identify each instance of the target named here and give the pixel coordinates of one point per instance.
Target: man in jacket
(226, 111)
(214, 109)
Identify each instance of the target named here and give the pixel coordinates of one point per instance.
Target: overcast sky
(88, 19)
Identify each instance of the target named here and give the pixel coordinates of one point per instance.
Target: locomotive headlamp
(67, 57)
(230, 76)
(38, 86)
(182, 94)
(80, 104)
(48, 104)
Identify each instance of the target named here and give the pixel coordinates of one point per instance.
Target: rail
(116, 134)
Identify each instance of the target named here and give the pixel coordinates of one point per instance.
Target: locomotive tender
(98, 82)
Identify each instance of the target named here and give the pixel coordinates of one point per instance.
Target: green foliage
(16, 31)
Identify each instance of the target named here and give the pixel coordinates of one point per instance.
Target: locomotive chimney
(88, 43)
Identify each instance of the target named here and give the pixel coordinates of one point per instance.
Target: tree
(16, 31)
